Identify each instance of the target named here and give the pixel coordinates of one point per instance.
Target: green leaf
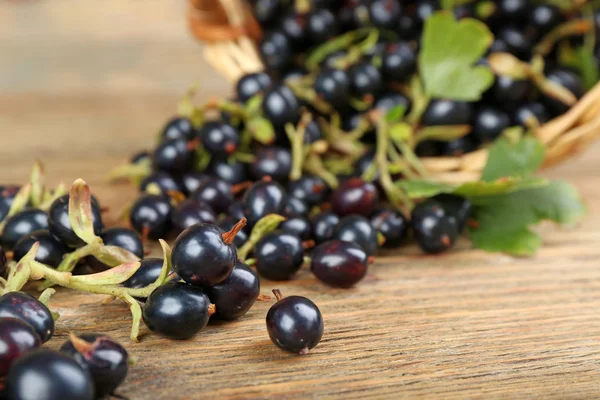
(586, 65)
(450, 49)
(508, 159)
(502, 223)
(261, 129)
(420, 189)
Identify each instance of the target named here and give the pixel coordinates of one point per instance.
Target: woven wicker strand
(230, 32)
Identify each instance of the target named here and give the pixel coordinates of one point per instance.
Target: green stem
(70, 261)
(413, 160)
(296, 137)
(314, 165)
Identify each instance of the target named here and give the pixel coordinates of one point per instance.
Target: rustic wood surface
(84, 84)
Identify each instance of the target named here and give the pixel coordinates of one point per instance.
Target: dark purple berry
(263, 198)
(151, 216)
(219, 138)
(392, 224)
(530, 113)
(365, 80)
(235, 295)
(321, 25)
(2, 262)
(27, 308)
(16, 338)
(60, 225)
(323, 226)
(447, 112)
(266, 11)
(227, 222)
(22, 224)
(387, 101)
(178, 128)
(146, 275)
(295, 207)
(489, 123)
(7, 195)
(568, 80)
(279, 255)
(175, 156)
(509, 91)
(434, 229)
(251, 84)
(281, 106)
(357, 229)
(354, 196)
(519, 42)
(297, 225)
(235, 210)
(232, 172)
(275, 162)
(339, 264)
(163, 180)
(456, 206)
(192, 180)
(276, 51)
(309, 188)
(459, 146)
(294, 323)
(50, 252)
(399, 62)
(217, 193)
(191, 212)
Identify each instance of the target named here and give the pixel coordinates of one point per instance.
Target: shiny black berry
(251, 84)
(163, 180)
(16, 338)
(217, 193)
(192, 180)
(281, 106)
(321, 25)
(509, 91)
(227, 222)
(279, 255)
(178, 128)
(299, 226)
(357, 229)
(333, 86)
(392, 224)
(105, 360)
(399, 62)
(235, 295)
(294, 323)
(147, 274)
(339, 264)
(295, 207)
(568, 80)
(124, 238)
(514, 9)
(191, 212)
(50, 252)
(384, 14)
(294, 25)
(355, 196)
(528, 114)
(323, 226)
(236, 210)
(365, 80)
(232, 172)
(48, 374)
(447, 112)
(22, 224)
(177, 310)
(204, 254)
(151, 216)
(544, 17)
(387, 101)
(434, 229)
(266, 11)
(263, 198)
(519, 42)
(276, 51)
(309, 188)
(219, 138)
(175, 156)
(457, 207)
(489, 123)
(7, 195)
(275, 162)
(60, 225)
(459, 146)
(27, 308)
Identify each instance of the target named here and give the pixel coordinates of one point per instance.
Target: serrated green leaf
(395, 114)
(503, 222)
(261, 129)
(449, 50)
(506, 159)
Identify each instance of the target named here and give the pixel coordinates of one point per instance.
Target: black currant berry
(514, 9)
(227, 222)
(509, 91)
(295, 207)
(146, 275)
(333, 86)
(50, 252)
(191, 212)
(294, 323)
(275, 162)
(426, 8)
(217, 193)
(16, 338)
(279, 255)
(235, 210)
(235, 295)
(105, 360)
(544, 17)
(178, 128)
(151, 216)
(434, 229)
(354, 196)
(339, 264)
(27, 308)
(177, 310)
(365, 80)
(219, 138)
(48, 374)
(21, 224)
(276, 51)
(384, 14)
(457, 207)
(233, 172)
(192, 180)
(294, 26)
(489, 123)
(357, 229)
(175, 156)
(459, 146)
(124, 238)
(299, 226)
(392, 224)
(163, 180)
(263, 198)
(309, 188)
(568, 80)
(251, 84)
(60, 225)
(204, 254)
(266, 11)
(321, 25)
(527, 114)
(323, 226)
(281, 106)
(386, 101)
(447, 112)
(518, 41)
(399, 62)
(7, 195)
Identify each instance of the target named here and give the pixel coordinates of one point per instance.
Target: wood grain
(462, 325)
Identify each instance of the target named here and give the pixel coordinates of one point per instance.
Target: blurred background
(71, 72)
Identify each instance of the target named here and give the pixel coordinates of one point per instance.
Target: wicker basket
(230, 32)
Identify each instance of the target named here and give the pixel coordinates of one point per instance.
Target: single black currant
(426, 8)
(339, 264)
(313, 132)
(399, 62)
(22, 224)
(279, 255)
(192, 180)
(251, 84)
(178, 128)
(531, 113)
(204, 254)
(509, 91)
(50, 252)
(232, 172)
(519, 42)
(365, 80)
(48, 374)
(147, 274)
(175, 156)
(124, 238)
(16, 338)
(447, 112)
(297, 225)
(321, 25)
(60, 225)
(456, 206)
(357, 229)
(384, 14)
(105, 360)
(544, 17)
(568, 80)
(333, 86)
(355, 196)
(151, 216)
(27, 308)
(191, 212)
(294, 25)
(489, 123)
(266, 11)
(309, 188)
(281, 106)
(294, 323)
(235, 295)
(514, 9)
(163, 180)
(219, 138)
(236, 210)
(217, 193)
(177, 310)
(435, 230)
(392, 224)
(272, 161)
(262, 198)
(7, 195)
(276, 51)
(227, 222)
(295, 207)
(387, 101)
(323, 226)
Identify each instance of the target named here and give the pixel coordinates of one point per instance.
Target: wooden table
(83, 85)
